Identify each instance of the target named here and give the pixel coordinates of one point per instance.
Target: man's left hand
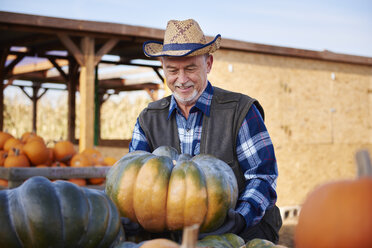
(234, 223)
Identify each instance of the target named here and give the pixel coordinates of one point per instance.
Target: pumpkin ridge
(72, 203)
(107, 223)
(43, 205)
(126, 192)
(3, 213)
(113, 222)
(195, 207)
(150, 192)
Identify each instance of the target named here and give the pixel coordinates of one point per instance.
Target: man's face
(187, 76)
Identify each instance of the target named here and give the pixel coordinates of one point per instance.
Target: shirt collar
(203, 103)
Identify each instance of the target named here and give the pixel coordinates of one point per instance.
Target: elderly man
(199, 118)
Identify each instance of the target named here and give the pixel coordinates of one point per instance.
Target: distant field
(117, 117)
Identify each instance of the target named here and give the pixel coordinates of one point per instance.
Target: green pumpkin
(228, 240)
(259, 243)
(40, 213)
(166, 191)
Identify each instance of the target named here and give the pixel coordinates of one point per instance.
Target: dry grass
(117, 117)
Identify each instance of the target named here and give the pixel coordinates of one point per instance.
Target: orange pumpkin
(10, 143)
(16, 160)
(109, 161)
(3, 156)
(41, 166)
(36, 151)
(337, 214)
(160, 242)
(18, 147)
(94, 156)
(26, 135)
(51, 159)
(35, 138)
(78, 181)
(58, 164)
(64, 150)
(4, 136)
(80, 160)
(3, 183)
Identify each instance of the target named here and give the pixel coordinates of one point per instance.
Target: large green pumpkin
(40, 213)
(166, 191)
(227, 240)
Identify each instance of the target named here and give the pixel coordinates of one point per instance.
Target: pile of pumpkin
(163, 191)
(31, 150)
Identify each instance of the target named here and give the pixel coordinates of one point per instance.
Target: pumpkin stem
(16, 151)
(190, 236)
(363, 163)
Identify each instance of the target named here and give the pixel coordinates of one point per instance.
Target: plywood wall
(318, 114)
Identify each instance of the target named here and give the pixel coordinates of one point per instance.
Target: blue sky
(339, 26)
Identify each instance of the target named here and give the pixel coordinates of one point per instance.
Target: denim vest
(219, 130)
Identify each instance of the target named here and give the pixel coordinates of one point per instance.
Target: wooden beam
(87, 94)
(72, 48)
(59, 69)
(152, 93)
(39, 66)
(105, 49)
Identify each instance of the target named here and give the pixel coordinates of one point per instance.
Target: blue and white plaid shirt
(254, 150)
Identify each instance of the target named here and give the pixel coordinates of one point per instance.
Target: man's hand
(130, 228)
(234, 223)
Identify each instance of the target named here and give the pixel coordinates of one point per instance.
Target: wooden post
(71, 87)
(4, 55)
(87, 95)
(34, 99)
(86, 57)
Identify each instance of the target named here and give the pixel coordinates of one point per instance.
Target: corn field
(117, 117)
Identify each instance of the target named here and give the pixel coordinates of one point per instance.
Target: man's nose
(182, 77)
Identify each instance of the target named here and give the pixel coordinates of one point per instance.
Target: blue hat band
(181, 46)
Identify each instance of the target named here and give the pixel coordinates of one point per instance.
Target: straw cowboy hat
(182, 38)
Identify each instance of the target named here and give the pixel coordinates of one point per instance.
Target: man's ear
(209, 63)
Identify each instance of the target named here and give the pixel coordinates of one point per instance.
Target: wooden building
(318, 104)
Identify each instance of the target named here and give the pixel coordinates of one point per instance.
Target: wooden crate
(16, 175)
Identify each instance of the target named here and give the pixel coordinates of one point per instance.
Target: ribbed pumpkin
(16, 160)
(338, 214)
(36, 151)
(4, 136)
(40, 213)
(10, 143)
(80, 160)
(228, 240)
(225, 240)
(26, 135)
(64, 150)
(3, 156)
(78, 181)
(3, 183)
(110, 161)
(95, 156)
(150, 190)
(16, 147)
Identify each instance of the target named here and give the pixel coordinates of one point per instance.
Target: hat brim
(155, 49)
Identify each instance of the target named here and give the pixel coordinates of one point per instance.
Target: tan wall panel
(316, 121)
(304, 167)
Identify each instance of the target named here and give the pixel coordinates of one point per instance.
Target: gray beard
(186, 101)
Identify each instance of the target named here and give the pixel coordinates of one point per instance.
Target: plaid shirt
(254, 150)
